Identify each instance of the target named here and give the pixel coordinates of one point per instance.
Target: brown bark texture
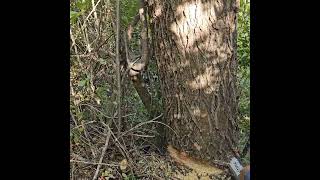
(195, 48)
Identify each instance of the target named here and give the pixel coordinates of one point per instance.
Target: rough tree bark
(195, 49)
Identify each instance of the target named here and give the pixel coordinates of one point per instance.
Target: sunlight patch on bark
(196, 111)
(192, 23)
(207, 80)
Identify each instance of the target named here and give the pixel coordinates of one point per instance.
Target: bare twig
(121, 148)
(75, 48)
(109, 117)
(148, 122)
(95, 15)
(142, 135)
(88, 138)
(93, 163)
(78, 126)
(86, 38)
(92, 11)
(103, 43)
(72, 171)
(73, 119)
(80, 158)
(111, 54)
(84, 24)
(102, 155)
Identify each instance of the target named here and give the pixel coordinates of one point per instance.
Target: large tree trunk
(195, 49)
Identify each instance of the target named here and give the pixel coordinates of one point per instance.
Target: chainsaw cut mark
(196, 165)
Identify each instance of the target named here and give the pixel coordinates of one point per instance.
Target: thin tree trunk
(118, 63)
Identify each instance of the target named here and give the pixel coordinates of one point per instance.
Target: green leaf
(102, 61)
(74, 15)
(82, 83)
(83, 5)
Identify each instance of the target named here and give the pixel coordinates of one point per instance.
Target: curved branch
(144, 35)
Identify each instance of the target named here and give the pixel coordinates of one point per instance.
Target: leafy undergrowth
(243, 54)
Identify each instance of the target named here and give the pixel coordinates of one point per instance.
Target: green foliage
(77, 8)
(243, 53)
(129, 177)
(129, 9)
(244, 34)
(140, 112)
(106, 100)
(83, 82)
(73, 16)
(244, 83)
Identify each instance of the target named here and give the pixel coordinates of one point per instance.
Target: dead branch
(136, 68)
(86, 134)
(76, 156)
(136, 77)
(141, 89)
(102, 155)
(93, 163)
(144, 35)
(118, 64)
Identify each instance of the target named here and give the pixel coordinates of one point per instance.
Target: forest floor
(100, 153)
(151, 165)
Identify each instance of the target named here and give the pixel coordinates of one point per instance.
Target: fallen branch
(94, 108)
(80, 158)
(86, 134)
(102, 155)
(93, 163)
